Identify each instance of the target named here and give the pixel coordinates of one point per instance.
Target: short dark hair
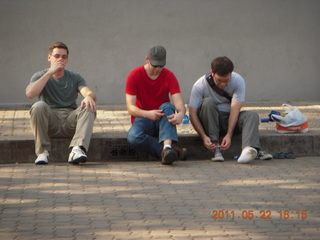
(222, 66)
(58, 45)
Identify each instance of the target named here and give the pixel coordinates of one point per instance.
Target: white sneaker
(247, 155)
(42, 158)
(77, 155)
(217, 155)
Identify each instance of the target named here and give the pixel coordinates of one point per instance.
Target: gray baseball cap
(157, 55)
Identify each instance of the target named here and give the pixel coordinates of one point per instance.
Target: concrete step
(113, 122)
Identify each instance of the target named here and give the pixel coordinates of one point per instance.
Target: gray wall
(273, 43)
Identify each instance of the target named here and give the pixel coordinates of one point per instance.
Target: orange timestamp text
(256, 214)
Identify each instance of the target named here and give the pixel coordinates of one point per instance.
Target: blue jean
(147, 135)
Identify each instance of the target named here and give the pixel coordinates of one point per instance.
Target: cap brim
(158, 62)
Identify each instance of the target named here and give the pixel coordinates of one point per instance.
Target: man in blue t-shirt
(56, 113)
(215, 104)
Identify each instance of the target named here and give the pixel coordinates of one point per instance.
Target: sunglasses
(57, 56)
(156, 66)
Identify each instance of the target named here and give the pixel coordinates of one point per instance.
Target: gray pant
(48, 123)
(215, 123)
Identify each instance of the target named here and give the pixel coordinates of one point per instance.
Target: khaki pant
(49, 123)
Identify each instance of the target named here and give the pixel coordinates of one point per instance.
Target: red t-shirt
(150, 94)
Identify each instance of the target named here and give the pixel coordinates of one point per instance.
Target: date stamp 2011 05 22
(263, 214)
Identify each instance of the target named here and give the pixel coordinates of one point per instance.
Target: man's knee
(208, 103)
(39, 107)
(168, 108)
(251, 116)
(207, 106)
(82, 111)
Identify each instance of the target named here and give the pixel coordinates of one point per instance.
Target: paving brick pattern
(145, 200)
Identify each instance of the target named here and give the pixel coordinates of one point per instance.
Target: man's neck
(150, 73)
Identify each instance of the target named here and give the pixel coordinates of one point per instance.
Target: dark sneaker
(168, 156)
(77, 156)
(217, 155)
(42, 158)
(264, 156)
(182, 152)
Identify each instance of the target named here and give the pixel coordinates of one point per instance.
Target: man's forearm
(35, 88)
(232, 124)
(233, 118)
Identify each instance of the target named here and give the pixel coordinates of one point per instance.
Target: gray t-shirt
(61, 92)
(201, 89)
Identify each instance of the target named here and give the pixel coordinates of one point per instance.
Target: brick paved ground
(145, 200)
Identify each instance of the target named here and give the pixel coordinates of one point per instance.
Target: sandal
(283, 155)
(279, 155)
(290, 155)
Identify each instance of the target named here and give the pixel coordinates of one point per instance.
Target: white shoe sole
(217, 159)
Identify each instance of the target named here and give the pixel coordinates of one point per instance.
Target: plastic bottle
(265, 120)
(185, 122)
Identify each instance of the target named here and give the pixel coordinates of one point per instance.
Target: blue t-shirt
(236, 88)
(61, 92)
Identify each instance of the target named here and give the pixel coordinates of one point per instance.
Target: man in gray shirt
(215, 104)
(56, 113)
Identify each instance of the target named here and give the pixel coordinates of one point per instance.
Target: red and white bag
(293, 122)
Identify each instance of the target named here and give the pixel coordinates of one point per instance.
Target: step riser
(117, 149)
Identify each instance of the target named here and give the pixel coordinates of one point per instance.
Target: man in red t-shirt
(153, 117)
